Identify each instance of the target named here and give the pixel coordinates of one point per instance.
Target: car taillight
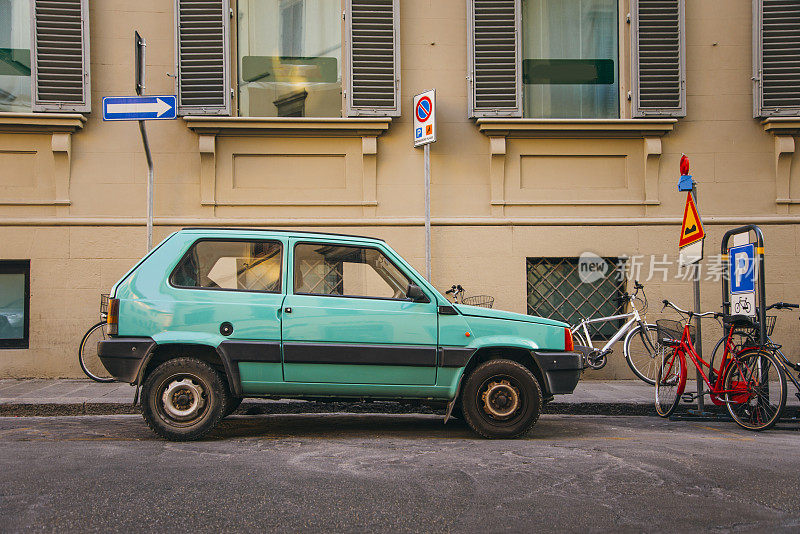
(112, 318)
(568, 343)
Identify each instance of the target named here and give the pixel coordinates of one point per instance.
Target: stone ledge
(289, 126)
(570, 128)
(41, 122)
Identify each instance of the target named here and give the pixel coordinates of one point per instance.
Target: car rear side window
(237, 265)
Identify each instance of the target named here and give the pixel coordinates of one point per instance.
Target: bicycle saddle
(739, 321)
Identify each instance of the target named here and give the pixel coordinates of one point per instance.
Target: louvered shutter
(495, 77)
(60, 55)
(373, 51)
(659, 64)
(776, 65)
(203, 68)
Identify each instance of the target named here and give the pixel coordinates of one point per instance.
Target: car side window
(231, 264)
(339, 270)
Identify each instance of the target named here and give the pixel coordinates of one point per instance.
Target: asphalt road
(394, 473)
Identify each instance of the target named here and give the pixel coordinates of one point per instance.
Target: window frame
(19, 267)
(280, 291)
(353, 245)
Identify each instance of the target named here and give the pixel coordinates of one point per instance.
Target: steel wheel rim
(500, 400)
(182, 399)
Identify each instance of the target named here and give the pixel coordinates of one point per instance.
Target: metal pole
(698, 345)
(427, 157)
(150, 185)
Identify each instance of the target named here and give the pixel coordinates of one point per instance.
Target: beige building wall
(72, 189)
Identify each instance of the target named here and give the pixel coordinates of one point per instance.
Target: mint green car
(213, 315)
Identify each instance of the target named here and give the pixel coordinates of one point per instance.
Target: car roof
(277, 231)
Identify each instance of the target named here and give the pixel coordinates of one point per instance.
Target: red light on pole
(684, 165)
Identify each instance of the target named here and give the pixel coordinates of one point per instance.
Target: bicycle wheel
(755, 387)
(87, 354)
(641, 352)
(739, 340)
(670, 381)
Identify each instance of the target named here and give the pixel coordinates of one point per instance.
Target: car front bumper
(562, 370)
(123, 356)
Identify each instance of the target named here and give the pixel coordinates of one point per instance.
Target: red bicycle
(750, 382)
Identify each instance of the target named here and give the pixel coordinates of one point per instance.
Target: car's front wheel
(501, 399)
(183, 399)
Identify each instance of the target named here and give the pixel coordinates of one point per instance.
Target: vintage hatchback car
(213, 315)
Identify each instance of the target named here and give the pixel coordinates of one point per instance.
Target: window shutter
(776, 65)
(659, 64)
(373, 46)
(203, 68)
(495, 78)
(60, 55)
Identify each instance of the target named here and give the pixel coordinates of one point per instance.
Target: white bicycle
(641, 340)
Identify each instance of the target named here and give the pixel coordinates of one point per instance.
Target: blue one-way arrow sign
(139, 108)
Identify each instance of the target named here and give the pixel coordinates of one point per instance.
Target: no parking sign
(425, 118)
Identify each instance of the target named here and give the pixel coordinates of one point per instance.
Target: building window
(15, 55)
(557, 290)
(290, 58)
(233, 265)
(570, 52)
(322, 269)
(15, 292)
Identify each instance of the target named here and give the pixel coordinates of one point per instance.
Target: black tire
(670, 381)
(752, 372)
(510, 391)
(642, 353)
(87, 354)
(190, 386)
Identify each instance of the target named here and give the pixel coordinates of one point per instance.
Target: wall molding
(499, 130)
(367, 128)
(393, 222)
(60, 127)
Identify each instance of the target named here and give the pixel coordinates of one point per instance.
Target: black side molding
(411, 355)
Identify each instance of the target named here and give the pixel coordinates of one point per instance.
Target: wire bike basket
(482, 301)
(104, 303)
(670, 332)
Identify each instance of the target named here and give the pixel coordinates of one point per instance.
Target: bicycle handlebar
(782, 305)
(667, 303)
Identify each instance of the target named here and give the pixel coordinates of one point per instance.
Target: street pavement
(398, 473)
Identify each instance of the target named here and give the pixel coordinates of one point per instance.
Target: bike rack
(759, 258)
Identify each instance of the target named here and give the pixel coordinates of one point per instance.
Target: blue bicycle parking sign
(741, 265)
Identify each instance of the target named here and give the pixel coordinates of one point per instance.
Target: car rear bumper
(123, 356)
(562, 370)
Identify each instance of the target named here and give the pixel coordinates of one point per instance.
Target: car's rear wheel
(501, 399)
(183, 399)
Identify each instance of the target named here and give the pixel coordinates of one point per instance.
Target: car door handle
(288, 310)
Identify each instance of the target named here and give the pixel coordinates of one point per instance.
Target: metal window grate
(777, 63)
(374, 61)
(319, 277)
(494, 58)
(555, 291)
(658, 63)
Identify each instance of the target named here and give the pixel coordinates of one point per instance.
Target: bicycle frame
(716, 391)
(627, 327)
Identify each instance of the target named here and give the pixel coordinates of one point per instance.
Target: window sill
(782, 125)
(289, 126)
(41, 122)
(622, 128)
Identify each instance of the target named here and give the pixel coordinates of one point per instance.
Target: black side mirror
(415, 294)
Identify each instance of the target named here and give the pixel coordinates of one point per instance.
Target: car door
(229, 292)
(347, 319)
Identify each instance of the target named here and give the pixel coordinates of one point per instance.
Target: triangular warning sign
(692, 227)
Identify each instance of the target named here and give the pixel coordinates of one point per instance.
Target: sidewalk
(85, 396)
